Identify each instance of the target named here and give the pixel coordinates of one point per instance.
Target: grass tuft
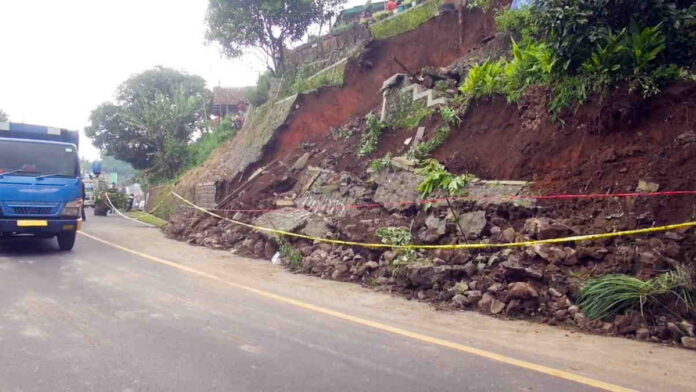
(609, 295)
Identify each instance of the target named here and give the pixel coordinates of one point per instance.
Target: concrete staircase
(420, 92)
(402, 82)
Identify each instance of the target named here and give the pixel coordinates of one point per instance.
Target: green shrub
(450, 116)
(258, 94)
(438, 178)
(518, 22)
(584, 47)
(532, 64)
(380, 15)
(609, 295)
(374, 130)
(413, 118)
(398, 236)
(201, 149)
(381, 164)
(118, 199)
(568, 92)
(575, 27)
(425, 148)
(405, 21)
(288, 251)
(482, 4)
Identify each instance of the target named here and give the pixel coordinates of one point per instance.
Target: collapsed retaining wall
(245, 148)
(274, 131)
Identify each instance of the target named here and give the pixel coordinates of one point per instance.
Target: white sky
(60, 59)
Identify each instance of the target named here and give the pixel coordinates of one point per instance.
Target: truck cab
(41, 189)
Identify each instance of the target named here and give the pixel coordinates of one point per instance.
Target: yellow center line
(381, 326)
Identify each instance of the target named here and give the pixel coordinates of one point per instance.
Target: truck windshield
(25, 158)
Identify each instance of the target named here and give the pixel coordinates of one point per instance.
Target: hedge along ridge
(405, 21)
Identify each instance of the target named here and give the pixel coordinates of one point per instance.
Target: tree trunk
(280, 57)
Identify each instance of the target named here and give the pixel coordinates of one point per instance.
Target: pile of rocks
(539, 282)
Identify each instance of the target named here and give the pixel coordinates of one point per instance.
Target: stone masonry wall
(327, 50)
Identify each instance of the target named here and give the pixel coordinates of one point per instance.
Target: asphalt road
(102, 319)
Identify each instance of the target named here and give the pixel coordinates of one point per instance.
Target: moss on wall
(330, 76)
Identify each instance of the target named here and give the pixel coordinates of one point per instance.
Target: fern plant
(606, 59)
(484, 79)
(532, 63)
(643, 46)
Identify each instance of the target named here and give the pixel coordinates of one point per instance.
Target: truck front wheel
(66, 239)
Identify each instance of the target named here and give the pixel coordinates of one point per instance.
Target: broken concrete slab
(285, 219)
(284, 203)
(301, 162)
(419, 136)
(404, 163)
(316, 227)
(397, 191)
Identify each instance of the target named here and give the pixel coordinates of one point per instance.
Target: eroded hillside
(354, 162)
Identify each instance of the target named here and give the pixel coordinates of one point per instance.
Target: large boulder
(522, 290)
(473, 223)
(545, 228)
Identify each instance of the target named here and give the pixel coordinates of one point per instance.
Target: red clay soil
(435, 43)
(606, 147)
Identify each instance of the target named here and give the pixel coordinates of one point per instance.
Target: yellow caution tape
(160, 204)
(588, 237)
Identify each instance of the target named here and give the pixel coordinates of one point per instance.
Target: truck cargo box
(38, 132)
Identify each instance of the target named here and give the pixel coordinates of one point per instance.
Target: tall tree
(153, 119)
(268, 25)
(3, 116)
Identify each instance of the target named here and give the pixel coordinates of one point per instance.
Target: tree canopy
(264, 24)
(153, 119)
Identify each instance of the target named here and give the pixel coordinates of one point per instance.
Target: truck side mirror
(96, 168)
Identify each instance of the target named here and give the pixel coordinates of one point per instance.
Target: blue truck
(41, 189)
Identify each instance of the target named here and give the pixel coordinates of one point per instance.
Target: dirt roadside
(632, 364)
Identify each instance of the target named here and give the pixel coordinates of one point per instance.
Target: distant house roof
(228, 95)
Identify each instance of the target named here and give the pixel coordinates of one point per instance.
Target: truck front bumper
(39, 227)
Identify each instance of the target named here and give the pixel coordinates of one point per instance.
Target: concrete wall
(205, 195)
(327, 50)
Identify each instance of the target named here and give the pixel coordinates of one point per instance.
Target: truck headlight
(72, 209)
